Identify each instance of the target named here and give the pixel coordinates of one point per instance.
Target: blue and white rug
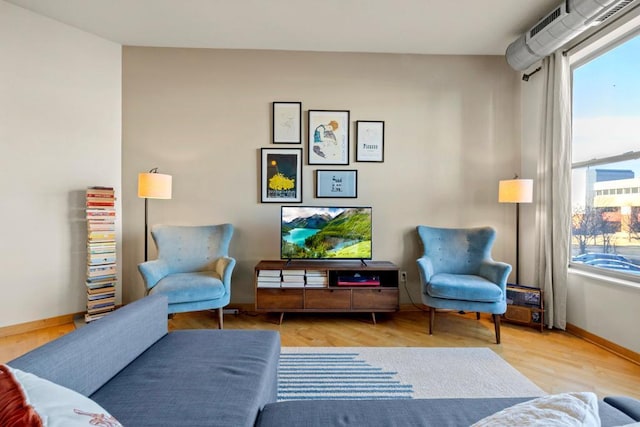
(397, 373)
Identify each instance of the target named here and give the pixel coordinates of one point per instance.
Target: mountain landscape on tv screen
(321, 233)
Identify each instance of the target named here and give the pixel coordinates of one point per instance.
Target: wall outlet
(403, 276)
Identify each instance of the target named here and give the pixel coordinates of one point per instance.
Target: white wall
(605, 308)
(60, 131)
(452, 132)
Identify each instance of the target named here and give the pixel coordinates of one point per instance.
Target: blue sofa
(144, 376)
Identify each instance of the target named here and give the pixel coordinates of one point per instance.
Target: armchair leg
(477, 315)
(220, 317)
(432, 319)
(496, 322)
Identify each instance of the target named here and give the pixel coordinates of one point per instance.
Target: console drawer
(327, 299)
(274, 299)
(375, 299)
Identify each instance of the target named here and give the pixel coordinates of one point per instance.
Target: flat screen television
(322, 232)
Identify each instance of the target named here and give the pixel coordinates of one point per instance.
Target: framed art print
(337, 183)
(328, 137)
(287, 122)
(369, 141)
(281, 175)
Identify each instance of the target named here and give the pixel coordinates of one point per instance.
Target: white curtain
(553, 199)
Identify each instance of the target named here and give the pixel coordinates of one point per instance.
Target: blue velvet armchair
(193, 268)
(457, 272)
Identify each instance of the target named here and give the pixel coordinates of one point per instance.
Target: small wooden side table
(525, 306)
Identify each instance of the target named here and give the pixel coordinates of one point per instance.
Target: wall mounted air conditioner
(558, 27)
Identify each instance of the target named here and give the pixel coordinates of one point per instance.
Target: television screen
(311, 232)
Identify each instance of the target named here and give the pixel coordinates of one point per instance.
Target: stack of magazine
(269, 278)
(316, 279)
(101, 252)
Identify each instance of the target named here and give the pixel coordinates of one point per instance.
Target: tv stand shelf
(364, 295)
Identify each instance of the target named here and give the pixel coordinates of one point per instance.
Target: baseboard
(614, 348)
(251, 307)
(34, 325)
(413, 307)
(241, 308)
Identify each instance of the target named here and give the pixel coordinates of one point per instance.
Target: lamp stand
(152, 185)
(516, 191)
(146, 228)
(517, 243)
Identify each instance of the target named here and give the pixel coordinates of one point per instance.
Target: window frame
(581, 57)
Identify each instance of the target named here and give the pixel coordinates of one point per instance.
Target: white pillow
(59, 406)
(562, 410)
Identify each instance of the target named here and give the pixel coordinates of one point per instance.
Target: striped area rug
(397, 373)
(336, 376)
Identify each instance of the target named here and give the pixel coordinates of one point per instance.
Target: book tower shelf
(101, 252)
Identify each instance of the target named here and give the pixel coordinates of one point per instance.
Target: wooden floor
(556, 361)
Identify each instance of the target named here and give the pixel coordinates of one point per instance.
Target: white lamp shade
(515, 191)
(153, 185)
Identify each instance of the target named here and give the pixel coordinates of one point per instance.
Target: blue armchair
(193, 268)
(457, 272)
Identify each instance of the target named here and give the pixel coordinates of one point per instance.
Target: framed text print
(328, 137)
(369, 141)
(281, 176)
(287, 122)
(337, 183)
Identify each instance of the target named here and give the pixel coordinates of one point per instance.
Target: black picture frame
(329, 136)
(281, 175)
(286, 124)
(370, 141)
(336, 183)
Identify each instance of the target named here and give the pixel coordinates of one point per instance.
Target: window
(605, 229)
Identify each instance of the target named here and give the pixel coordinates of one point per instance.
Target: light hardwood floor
(556, 361)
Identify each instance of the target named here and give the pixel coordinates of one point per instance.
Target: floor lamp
(152, 185)
(516, 191)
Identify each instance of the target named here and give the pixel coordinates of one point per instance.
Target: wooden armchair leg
(477, 315)
(220, 317)
(496, 322)
(432, 319)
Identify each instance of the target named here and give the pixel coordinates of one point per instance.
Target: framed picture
(281, 175)
(328, 137)
(337, 183)
(287, 122)
(369, 141)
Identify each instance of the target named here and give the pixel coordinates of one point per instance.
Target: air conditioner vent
(561, 25)
(546, 21)
(613, 11)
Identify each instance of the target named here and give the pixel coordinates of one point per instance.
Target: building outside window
(606, 161)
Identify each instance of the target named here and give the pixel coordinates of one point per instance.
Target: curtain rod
(598, 31)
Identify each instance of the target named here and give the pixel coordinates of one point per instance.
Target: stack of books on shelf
(101, 252)
(292, 278)
(269, 278)
(317, 279)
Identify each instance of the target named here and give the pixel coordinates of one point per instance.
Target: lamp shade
(153, 185)
(515, 191)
